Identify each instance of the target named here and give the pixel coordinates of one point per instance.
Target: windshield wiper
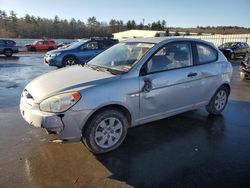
(100, 68)
(105, 69)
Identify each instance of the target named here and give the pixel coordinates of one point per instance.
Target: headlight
(55, 54)
(60, 103)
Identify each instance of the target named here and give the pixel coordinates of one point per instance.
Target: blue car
(8, 47)
(78, 52)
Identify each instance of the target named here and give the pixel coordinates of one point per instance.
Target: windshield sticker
(126, 68)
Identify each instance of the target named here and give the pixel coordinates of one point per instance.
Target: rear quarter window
(206, 54)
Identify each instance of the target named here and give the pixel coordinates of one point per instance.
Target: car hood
(75, 78)
(57, 51)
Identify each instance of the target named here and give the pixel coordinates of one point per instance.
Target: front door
(170, 83)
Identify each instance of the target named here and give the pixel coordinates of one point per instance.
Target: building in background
(144, 34)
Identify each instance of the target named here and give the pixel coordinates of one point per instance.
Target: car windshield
(121, 57)
(35, 41)
(228, 45)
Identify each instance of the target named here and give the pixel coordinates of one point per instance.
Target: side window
(169, 57)
(102, 45)
(206, 54)
(45, 42)
(90, 46)
(39, 42)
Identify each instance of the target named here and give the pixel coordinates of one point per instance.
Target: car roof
(156, 40)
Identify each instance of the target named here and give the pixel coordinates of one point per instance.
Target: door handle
(147, 86)
(192, 74)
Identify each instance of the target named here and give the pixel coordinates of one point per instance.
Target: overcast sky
(177, 13)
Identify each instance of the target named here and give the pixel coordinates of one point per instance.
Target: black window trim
(174, 42)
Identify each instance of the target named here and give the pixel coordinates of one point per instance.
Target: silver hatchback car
(134, 82)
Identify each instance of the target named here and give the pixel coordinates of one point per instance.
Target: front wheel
(105, 131)
(8, 52)
(219, 101)
(68, 61)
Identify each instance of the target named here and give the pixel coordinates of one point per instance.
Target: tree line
(36, 27)
(30, 26)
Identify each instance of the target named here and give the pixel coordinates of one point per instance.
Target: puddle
(13, 65)
(8, 84)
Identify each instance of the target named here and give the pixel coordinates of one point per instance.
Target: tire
(232, 56)
(99, 136)
(8, 52)
(50, 48)
(68, 61)
(32, 49)
(219, 101)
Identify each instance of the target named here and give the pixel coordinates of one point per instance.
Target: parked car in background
(43, 44)
(8, 47)
(245, 68)
(78, 52)
(235, 49)
(133, 82)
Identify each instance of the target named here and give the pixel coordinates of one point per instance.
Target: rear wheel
(105, 131)
(219, 101)
(68, 61)
(8, 52)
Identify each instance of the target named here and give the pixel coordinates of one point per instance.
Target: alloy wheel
(108, 132)
(220, 100)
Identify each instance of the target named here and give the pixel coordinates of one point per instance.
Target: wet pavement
(192, 149)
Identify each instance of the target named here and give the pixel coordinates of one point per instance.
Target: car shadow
(2, 58)
(187, 150)
(153, 154)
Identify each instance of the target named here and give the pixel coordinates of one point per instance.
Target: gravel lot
(192, 149)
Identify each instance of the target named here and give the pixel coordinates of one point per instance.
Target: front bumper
(51, 122)
(68, 125)
(55, 61)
